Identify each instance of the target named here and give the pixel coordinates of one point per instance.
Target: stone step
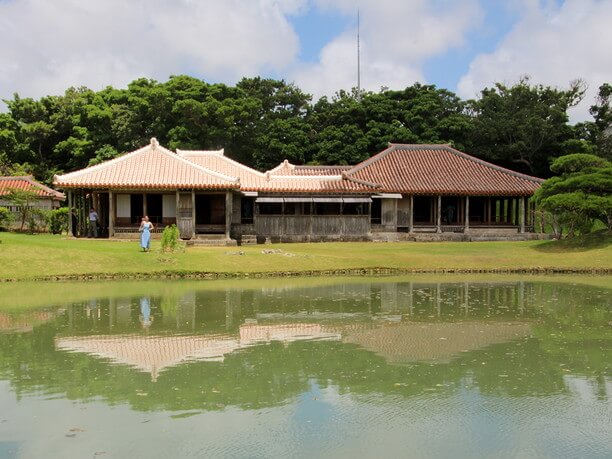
(206, 242)
(209, 237)
(248, 239)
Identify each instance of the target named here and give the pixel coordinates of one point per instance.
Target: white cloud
(396, 37)
(51, 45)
(554, 44)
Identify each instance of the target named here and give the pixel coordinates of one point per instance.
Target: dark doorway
(210, 209)
(136, 208)
(423, 210)
(450, 210)
(478, 210)
(103, 216)
(376, 212)
(154, 207)
(247, 206)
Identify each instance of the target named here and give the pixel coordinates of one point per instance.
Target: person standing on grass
(93, 223)
(145, 237)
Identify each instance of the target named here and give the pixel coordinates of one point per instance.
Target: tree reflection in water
(261, 347)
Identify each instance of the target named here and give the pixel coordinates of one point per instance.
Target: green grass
(41, 256)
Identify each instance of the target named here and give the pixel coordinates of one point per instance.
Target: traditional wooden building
(404, 192)
(44, 197)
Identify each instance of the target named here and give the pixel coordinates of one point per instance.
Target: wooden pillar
(111, 214)
(439, 215)
(176, 218)
(70, 228)
(411, 215)
(522, 214)
(144, 205)
(395, 207)
(193, 213)
(466, 222)
(228, 213)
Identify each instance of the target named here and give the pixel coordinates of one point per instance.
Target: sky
(460, 45)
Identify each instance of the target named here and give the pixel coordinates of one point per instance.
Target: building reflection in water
(402, 322)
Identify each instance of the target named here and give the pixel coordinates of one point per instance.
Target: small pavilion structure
(45, 197)
(404, 192)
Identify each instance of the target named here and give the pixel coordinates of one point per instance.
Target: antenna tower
(358, 60)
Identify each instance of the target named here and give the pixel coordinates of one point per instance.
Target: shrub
(170, 239)
(6, 217)
(57, 220)
(37, 219)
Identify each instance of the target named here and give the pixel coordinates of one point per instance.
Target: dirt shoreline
(310, 273)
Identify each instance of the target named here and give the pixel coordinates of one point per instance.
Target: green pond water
(372, 367)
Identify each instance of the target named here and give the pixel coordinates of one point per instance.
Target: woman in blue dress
(145, 233)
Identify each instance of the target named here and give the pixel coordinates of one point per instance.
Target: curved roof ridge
(361, 182)
(205, 169)
(221, 155)
(493, 166)
(35, 184)
(282, 165)
(104, 164)
(153, 146)
(371, 159)
(440, 146)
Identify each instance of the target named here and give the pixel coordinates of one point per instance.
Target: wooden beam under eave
(111, 214)
(70, 210)
(228, 213)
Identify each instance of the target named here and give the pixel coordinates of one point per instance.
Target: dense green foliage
(522, 127)
(261, 122)
(170, 239)
(579, 194)
(57, 220)
(6, 217)
(23, 200)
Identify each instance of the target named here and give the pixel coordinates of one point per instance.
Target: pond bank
(199, 275)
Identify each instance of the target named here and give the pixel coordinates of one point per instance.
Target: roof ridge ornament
(154, 143)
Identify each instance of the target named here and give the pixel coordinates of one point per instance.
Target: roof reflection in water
(153, 354)
(440, 342)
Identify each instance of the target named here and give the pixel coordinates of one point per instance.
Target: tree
(579, 194)
(602, 113)
(355, 125)
(23, 200)
(6, 217)
(523, 126)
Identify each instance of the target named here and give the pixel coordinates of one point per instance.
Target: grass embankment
(26, 295)
(46, 257)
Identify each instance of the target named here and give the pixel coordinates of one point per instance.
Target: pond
(418, 367)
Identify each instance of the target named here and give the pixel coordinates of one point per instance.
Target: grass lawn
(43, 255)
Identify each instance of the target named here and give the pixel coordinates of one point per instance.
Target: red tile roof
(152, 167)
(286, 168)
(440, 169)
(28, 183)
(409, 169)
(282, 179)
